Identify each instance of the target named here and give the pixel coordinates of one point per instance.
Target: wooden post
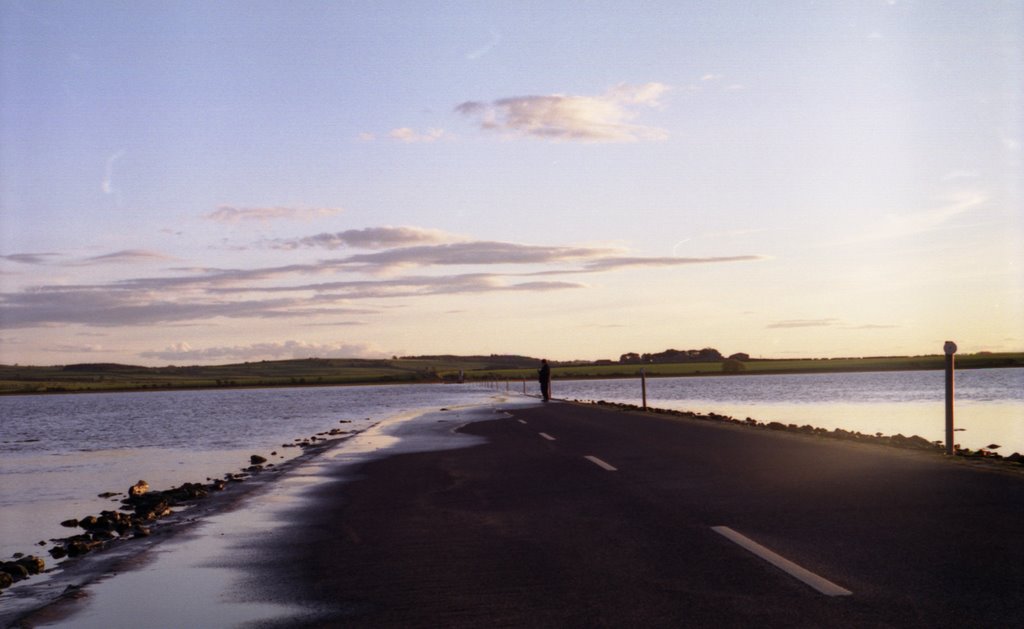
(950, 349)
(643, 386)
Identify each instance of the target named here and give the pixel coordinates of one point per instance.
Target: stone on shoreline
(15, 571)
(915, 442)
(33, 564)
(138, 510)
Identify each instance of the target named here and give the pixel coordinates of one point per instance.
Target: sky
(204, 183)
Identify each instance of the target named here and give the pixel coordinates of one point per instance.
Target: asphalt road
(527, 531)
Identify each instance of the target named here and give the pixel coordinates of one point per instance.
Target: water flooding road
(989, 402)
(578, 516)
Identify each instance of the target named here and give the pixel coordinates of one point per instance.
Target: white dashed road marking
(547, 436)
(598, 462)
(522, 421)
(820, 584)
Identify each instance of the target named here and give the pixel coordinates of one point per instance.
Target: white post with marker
(950, 349)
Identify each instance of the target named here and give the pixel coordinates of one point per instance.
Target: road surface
(574, 515)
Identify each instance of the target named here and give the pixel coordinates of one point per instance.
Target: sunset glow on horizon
(197, 183)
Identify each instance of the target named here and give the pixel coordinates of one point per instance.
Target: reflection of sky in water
(204, 420)
(58, 452)
(982, 423)
(989, 402)
(181, 583)
(196, 574)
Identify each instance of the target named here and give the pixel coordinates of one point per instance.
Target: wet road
(578, 516)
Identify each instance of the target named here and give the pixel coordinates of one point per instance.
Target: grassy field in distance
(755, 367)
(324, 372)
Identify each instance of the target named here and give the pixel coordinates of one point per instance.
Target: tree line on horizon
(705, 355)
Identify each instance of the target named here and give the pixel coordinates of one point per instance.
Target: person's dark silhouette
(544, 376)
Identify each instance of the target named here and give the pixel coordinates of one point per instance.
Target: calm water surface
(989, 405)
(58, 452)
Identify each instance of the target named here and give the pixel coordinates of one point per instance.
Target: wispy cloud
(110, 307)
(604, 118)
(367, 238)
(828, 322)
(471, 253)
(804, 323)
(231, 214)
(147, 302)
(29, 258)
(78, 349)
(206, 294)
(107, 185)
(898, 225)
(411, 286)
(130, 256)
(407, 135)
(609, 264)
(486, 48)
(411, 136)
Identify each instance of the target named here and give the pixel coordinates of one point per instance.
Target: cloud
(194, 295)
(182, 351)
(413, 286)
(110, 307)
(29, 258)
(911, 223)
(107, 185)
(79, 349)
(894, 225)
(409, 136)
(804, 323)
(471, 253)
(828, 323)
(604, 118)
(229, 214)
(131, 256)
(613, 263)
(142, 302)
(367, 238)
(486, 48)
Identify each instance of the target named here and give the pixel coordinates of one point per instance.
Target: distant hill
(81, 377)
(493, 361)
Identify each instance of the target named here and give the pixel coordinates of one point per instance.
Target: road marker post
(950, 350)
(643, 386)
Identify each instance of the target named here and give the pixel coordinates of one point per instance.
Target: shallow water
(196, 578)
(59, 452)
(989, 403)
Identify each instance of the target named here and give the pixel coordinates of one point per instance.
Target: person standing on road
(544, 376)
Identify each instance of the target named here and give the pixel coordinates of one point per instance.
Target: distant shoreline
(315, 372)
